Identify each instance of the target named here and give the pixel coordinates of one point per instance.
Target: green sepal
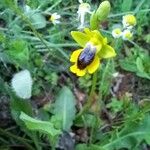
(80, 38)
(107, 52)
(94, 21)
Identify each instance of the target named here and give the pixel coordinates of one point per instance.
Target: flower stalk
(90, 98)
(103, 50)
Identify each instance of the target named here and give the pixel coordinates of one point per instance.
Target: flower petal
(107, 52)
(81, 72)
(80, 38)
(88, 32)
(94, 65)
(74, 68)
(75, 54)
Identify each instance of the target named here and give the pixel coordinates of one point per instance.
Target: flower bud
(93, 21)
(103, 10)
(127, 35)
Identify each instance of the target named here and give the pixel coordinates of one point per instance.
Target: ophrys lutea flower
(94, 47)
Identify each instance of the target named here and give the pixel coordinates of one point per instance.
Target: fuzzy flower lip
(82, 10)
(94, 47)
(55, 18)
(129, 21)
(117, 33)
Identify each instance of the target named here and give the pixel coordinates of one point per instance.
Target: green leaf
(38, 20)
(128, 65)
(88, 120)
(131, 135)
(18, 52)
(17, 105)
(90, 147)
(80, 38)
(38, 125)
(143, 75)
(115, 105)
(126, 5)
(64, 109)
(139, 64)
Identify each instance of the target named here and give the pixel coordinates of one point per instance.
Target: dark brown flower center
(86, 57)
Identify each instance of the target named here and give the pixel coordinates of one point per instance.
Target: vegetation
(74, 75)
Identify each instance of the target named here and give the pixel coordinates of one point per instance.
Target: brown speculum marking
(85, 58)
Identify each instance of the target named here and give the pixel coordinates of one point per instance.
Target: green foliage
(38, 125)
(137, 62)
(88, 120)
(64, 109)
(126, 5)
(106, 77)
(38, 20)
(131, 135)
(18, 105)
(18, 52)
(115, 105)
(28, 40)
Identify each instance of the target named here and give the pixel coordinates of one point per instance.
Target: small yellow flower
(129, 21)
(94, 48)
(116, 33)
(55, 18)
(127, 35)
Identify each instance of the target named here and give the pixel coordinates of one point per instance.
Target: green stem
(35, 140)
(90, 98)
(26, 19)
(21, 140)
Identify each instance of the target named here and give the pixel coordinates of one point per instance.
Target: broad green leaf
(128, 65)
(64, 109)
(80, 38)
(38, 125)
(126, 5)
(139, 64)
(143, 75)
(38, 20)
(17, 105)
(131, 135)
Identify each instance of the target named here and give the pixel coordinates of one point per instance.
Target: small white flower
(116, 74)
(117, 33)
(127, 34)
(22, 84)
(55, 18)
(82, 10)
(129, 21)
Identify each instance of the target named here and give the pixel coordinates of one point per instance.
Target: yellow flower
(94, 48)
(129, 21)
